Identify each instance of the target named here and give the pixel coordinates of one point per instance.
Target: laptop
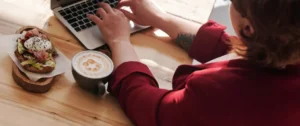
(72, 14)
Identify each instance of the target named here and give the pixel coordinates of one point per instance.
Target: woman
(259, 87)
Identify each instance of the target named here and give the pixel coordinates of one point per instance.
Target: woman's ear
(248, 29)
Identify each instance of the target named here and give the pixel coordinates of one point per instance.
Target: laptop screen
(57, 3)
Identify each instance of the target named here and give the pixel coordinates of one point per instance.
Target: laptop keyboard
(76, 15)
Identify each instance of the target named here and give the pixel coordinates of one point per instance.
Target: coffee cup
(90, 70)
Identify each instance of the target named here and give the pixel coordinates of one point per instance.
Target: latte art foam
(92, 64)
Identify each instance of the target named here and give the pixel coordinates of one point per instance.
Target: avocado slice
(21, 49)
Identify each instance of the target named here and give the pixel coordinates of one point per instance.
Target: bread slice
(30, 68)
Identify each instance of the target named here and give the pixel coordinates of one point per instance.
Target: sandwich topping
(36, 49)
(37, 44)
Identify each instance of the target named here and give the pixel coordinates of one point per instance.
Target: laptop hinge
(68, 2)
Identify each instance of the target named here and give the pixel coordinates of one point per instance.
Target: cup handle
(101, 88)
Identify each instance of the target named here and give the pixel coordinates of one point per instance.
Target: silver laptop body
(72, 13)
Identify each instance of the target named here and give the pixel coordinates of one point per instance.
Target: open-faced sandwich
(35, 52)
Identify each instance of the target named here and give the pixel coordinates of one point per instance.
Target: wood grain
(19, 111)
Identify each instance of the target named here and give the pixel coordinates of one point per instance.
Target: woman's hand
(114, 26)
(144, 12)
(115, 30)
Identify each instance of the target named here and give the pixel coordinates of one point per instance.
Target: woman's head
(269, 31)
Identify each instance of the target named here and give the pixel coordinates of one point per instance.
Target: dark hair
(276, 41)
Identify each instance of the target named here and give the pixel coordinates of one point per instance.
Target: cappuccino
(92, 64)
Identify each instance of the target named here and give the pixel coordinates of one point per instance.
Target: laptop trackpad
(91, 38)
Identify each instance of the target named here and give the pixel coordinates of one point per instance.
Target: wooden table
(66, 103)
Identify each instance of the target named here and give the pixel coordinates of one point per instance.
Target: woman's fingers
(106, 7)
(95, 19)
(129, 15)
(123, 3)
(101, 12)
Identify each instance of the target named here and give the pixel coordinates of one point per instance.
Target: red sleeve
(137, 91)
(197, 104)
(146, 105)
(210, 42)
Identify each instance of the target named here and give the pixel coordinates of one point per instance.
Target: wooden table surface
(66, 103)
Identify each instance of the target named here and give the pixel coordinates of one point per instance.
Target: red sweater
(229, 93)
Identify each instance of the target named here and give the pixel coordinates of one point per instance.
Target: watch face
(57, 3)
